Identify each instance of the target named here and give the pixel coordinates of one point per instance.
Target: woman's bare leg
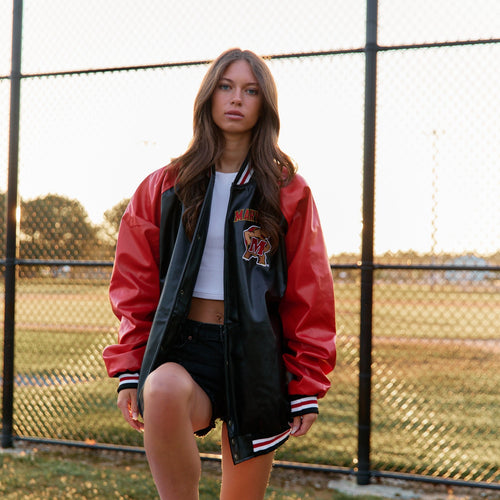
(174, 407)
(247, 480)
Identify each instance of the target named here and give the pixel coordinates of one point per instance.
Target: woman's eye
(224, 86)
(253, 91)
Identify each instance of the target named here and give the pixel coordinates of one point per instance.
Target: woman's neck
(233, 156)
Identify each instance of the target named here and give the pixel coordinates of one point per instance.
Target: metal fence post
(365, 354)
(11, 229)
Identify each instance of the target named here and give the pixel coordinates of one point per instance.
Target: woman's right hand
(127, 402)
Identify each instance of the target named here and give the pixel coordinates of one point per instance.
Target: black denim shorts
(200, 350)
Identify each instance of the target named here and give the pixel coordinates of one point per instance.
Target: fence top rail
(291, 55)
(417, 267)
(357, 265)
(48, 262)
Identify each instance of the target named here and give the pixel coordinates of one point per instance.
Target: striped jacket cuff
(266, 445)
(300, 405)
(128, 381)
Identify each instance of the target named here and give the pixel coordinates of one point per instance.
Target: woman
(224, 293)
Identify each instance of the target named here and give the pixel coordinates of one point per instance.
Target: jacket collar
(245, 173)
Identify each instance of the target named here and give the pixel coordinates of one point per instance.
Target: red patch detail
(257, 245)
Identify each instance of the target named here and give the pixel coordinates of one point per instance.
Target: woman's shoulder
(158, 181)
(296, 185)
(146, 200)
(295, 196)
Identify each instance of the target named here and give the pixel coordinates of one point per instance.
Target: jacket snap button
(181, 292)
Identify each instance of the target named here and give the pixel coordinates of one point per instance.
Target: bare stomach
(207, 311)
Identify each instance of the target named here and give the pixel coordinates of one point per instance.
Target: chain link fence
(106, 98)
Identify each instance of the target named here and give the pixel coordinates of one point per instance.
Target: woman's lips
(233, 114)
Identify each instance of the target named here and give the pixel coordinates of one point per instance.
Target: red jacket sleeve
(135, 284)
(307, 309)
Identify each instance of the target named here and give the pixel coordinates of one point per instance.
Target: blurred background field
(431, 396)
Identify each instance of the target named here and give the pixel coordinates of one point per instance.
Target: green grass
(435, 391)
(423, 311)
(77, 474)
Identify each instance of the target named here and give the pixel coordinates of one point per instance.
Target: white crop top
(210, 280)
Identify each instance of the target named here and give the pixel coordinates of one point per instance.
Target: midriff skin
(207, 311)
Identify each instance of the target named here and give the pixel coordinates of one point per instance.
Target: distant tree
(55, 227)
(113, 217)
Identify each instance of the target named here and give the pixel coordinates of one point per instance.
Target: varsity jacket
(279, 321)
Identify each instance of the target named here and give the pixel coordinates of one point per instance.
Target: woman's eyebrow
(231, 81)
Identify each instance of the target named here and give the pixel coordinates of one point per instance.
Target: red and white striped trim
(304, 403)
(245, 175)
(271, 442)
(128, 378)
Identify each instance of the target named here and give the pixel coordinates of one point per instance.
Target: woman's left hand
(302, 424)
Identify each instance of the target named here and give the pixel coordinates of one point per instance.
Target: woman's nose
(236, 97)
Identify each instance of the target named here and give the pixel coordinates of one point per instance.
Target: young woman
(224, 293)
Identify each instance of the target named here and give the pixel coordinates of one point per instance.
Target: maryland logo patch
(257, 245)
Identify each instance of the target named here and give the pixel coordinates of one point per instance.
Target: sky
(95, 137)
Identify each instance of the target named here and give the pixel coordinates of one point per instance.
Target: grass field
(436, 353)
(38, 474)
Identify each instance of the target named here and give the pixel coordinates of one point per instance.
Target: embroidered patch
(245, 214)
(257, 245)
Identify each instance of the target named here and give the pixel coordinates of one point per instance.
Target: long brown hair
(272, 167)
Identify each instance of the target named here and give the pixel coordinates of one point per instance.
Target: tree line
(55, 227)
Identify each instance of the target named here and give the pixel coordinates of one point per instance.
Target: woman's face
(237, 100)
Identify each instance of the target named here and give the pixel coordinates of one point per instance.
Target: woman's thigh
(247, 480)
(171, 392)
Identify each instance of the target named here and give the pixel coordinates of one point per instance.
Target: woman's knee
(169, 383)
(171, 394)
